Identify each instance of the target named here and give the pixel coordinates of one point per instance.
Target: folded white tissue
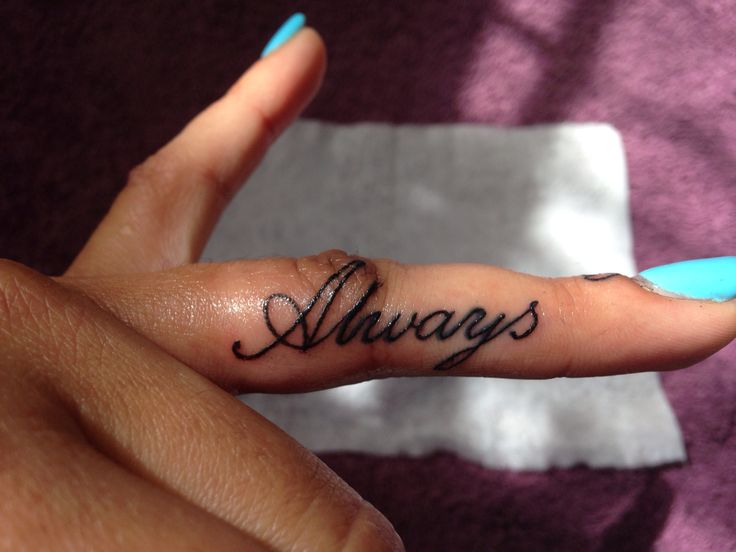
(549, 200)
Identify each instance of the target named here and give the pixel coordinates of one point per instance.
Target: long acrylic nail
(290, 27)
(711, 279)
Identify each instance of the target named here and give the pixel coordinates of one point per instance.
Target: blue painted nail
(712, 279)
(290, 27)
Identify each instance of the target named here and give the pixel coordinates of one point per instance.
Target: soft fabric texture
(90, 89)
(549, 200)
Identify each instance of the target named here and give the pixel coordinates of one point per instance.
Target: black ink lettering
(437, 324)
(600, 277)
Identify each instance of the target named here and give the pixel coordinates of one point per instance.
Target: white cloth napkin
(549, 200)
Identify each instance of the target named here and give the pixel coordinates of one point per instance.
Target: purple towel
(90, 90)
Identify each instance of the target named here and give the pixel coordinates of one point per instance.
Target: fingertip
(318, 46)
(281, 84)
(638, 330)
(313, 41)
(292, 31)
(306, 48)
(309, 50)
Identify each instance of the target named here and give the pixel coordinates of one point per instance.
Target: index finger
(297, 324)
(165, 213)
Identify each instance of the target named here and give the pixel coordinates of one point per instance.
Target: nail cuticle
(649, 286)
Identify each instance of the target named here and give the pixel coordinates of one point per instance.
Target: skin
(116, 428)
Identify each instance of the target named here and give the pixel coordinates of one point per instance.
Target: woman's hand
(107, 442)
(111, 439)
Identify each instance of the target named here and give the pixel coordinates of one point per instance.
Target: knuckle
(26, 313)
(573, 307)
(20, 293)
(265, 125)
(370, 287)
(157, 169)
(164, 166)
(352, 523)
(148, 189)
(36, 313)
(313, 270)
(9, 284)
(169, 176)
(256, 114)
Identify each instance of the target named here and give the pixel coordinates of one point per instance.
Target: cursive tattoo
(600, 277)
(355, 324)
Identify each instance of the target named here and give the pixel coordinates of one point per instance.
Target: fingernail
(290, 27)
(711, 279)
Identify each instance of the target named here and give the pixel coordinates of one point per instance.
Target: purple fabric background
(90, 90)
